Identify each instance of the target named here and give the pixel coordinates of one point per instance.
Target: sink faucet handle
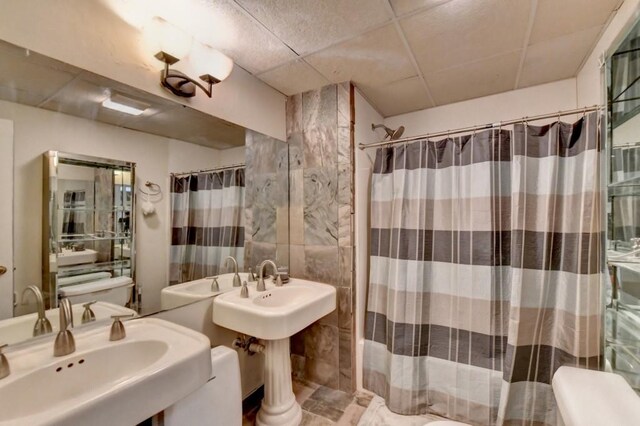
(117, 328)
(4, 363)
(88, 315)
(214, 284)
(244, 291)
(252, 277)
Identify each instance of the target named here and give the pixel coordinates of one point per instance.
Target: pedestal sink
(104, 382)
(275, 315)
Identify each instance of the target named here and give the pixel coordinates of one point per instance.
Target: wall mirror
(83, 217)
(622, 318)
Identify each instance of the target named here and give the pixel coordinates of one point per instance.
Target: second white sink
(278, 312)
(191, 291)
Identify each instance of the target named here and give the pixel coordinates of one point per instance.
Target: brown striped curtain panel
(207, 223)
(487, 263)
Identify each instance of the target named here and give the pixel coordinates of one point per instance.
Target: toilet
(113, 290)
(218, 402)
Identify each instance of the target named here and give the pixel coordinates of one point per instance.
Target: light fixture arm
(181, 84)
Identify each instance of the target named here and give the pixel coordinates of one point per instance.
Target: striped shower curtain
(487, 264)
(207, 223)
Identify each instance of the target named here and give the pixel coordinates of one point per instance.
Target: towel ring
(153, 189)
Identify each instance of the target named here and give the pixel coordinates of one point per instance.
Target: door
(6, 219)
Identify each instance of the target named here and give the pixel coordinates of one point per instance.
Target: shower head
(391, 134)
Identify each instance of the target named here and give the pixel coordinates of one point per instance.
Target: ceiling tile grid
(406, 55)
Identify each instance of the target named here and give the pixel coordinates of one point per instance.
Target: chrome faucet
(261, 286)
(88, 315)
(42, 325)
(64, 344)
(244, 291)
(214, 284)
(117, 328)
(4, 363)
(252, 277)
(236, 277)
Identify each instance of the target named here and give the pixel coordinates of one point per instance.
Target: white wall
(89, 35)
(542, 99)
(37, 131)
(364, 116)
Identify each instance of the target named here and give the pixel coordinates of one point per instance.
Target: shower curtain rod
(483, 127)
(214, 169)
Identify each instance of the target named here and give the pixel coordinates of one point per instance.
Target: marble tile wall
(319, 134)
(266, 200)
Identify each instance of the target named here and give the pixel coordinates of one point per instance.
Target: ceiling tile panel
(462, 31)
(398, 97)
(558, 58)
(310, 25)
(228, 28)
(374, 58)
(294, 77)
(482, 78)
(401, 7)
(558, 18)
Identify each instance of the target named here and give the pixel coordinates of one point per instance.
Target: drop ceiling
(33, 79)
(406, 55)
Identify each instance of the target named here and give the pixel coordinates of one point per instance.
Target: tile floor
(322, 406)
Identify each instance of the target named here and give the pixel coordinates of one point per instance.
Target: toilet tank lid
(594, 397)
(94, 286)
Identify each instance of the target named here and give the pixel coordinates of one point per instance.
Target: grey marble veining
(321, 264)
(343, 102)
(294, 114)
(320, 220)
(320, 146)
(345, 360)
(320, 107)
(266, 199)
(344, 144)
(321, 342)
(103, 199)
(261, 154)
(320, 206)
(264, 190)
(296, 152)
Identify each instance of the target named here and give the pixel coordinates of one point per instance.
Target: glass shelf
(84, 239)
(91, 210)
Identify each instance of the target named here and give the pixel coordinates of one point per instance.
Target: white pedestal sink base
(279, 406)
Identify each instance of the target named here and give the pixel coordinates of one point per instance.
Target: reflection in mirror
(87, 221)
(622, 319)
(235, 182)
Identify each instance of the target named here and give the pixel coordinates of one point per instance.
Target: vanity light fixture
(124, 104)
(212, 66)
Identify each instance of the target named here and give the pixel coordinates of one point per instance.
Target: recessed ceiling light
(124, 104)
